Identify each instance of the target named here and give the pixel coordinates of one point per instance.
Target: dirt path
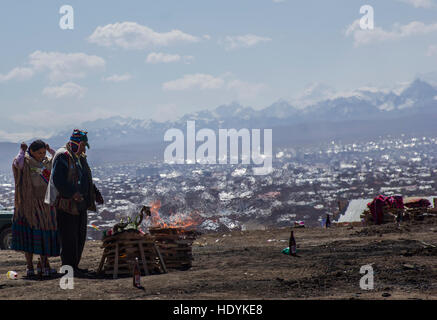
(250, 265)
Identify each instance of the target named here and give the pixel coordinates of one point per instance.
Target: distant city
(306, 184)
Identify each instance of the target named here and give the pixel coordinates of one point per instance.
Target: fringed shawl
(30, 188)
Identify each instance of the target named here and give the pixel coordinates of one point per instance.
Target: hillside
(250, 265)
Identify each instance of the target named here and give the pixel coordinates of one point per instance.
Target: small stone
(409, 266)
(386, 294)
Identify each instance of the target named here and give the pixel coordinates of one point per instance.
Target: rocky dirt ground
(250, 265)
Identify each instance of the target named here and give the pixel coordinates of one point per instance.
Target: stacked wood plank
(121, 249)
(175, 245)
(419, 213)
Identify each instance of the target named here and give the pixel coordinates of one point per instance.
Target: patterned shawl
(30, 188)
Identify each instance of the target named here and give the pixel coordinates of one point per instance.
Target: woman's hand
(23, 146)
(50, 150)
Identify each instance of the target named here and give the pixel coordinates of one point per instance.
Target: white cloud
(118, 78)
(190, 81)
(245, 41)
(159, 57)
(364, 37)
(419, 3)
(67, 90)
(60, 66)
(17, 74)
(131, 35)
(65, 66)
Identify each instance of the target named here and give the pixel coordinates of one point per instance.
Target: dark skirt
(32, 240)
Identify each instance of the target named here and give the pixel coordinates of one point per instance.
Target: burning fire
(177, 220)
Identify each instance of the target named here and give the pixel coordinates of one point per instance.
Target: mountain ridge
(419, 97)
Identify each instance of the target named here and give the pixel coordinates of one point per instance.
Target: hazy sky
(162, 59)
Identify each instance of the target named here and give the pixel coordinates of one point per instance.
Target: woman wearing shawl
(34, 229)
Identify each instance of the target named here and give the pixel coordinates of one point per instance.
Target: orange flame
(175, 220)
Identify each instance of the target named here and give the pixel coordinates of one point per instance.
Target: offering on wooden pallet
(121, 250)
(124, 243)
(175, 245)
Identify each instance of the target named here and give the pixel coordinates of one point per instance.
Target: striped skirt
(35, 240)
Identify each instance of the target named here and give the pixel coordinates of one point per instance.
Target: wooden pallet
(175, 245)
(121, 249)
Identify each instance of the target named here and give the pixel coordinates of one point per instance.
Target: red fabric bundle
(377, 206)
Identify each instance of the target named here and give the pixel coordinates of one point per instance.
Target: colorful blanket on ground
(380, 202)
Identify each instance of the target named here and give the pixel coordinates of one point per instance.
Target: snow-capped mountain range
(418, 98)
